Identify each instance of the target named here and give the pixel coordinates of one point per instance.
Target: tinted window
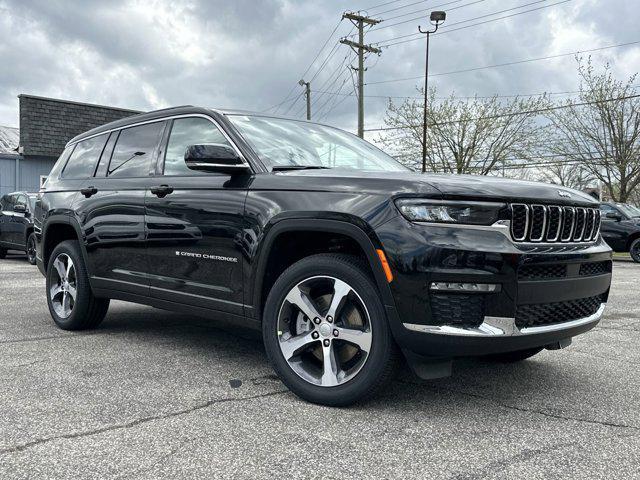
(4, 202)
(59, 165)
(82, 162)
(134, 150)
(101, 171)
(608, 209)
(185, 132)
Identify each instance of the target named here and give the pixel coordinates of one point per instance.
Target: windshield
(284, 144)
(628, 210)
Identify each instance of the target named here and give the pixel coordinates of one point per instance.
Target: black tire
(3, 253)
(634, 250)
(379, 365)
(86, 311)
(31, 248)
(513, 357)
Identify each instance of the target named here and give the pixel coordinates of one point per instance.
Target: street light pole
(436, 18)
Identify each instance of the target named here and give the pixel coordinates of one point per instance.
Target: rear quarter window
(83, 160)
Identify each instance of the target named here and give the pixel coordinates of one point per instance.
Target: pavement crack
(545, 413)
(134, 423)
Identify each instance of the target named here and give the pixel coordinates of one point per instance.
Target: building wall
(29, 172)
(47, 124)
(7, 173)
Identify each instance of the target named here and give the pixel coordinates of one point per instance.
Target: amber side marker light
(385, 265)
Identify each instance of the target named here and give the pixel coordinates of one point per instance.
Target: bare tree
(566, 174)
(464, 136)
(601, 130)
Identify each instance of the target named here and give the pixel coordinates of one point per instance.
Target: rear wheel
(325, 331)
(512, 357)
(634, 250)
(31, 248)
(69, 296)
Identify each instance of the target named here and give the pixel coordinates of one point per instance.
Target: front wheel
(69, 296)
(31, 249)
(325, 331)
(634, 250)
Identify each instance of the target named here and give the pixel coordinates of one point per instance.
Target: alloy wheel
(324, 331)
(31, 249)
(63, 290)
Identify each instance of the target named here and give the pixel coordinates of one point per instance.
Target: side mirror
(215, 157)
(614, 216)
(19, 208)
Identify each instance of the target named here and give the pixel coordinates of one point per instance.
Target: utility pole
(307, 86)
(360, 21)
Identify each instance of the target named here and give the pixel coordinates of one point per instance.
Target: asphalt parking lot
(153, 394)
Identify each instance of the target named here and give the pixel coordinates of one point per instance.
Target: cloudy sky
(250, 54)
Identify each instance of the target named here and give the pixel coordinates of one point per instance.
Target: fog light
(464, 287)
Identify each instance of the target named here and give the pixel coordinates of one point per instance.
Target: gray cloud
(249, 54)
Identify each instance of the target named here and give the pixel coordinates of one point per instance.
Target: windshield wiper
(280, 168)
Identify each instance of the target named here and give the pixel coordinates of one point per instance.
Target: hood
(430, 185)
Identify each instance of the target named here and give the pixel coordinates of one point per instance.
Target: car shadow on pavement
(474, 379)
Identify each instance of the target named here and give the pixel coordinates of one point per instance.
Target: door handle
(87, 192)
(162, 190)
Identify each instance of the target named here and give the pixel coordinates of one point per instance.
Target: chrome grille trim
(550, 237)
(526, 222)
(554, 223)
(572, 212)
(534, 224)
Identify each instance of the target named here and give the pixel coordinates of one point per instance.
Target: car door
(20, 221)
(194, 224)
(6, 211)
(612, 229)
(110, 207)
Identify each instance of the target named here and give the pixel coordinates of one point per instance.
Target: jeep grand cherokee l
(341, 256)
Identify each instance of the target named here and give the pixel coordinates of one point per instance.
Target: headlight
(470, 213)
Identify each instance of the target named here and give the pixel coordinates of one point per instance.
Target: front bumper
(522, 313)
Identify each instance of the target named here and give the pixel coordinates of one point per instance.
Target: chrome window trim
(503, 327)
(173, 117)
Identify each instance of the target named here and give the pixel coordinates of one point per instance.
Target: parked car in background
(16, 224)
(621, 228)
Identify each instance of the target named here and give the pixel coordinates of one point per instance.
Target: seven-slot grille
(553, 223)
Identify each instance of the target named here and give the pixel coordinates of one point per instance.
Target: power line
(517, 62)
(449, 30)
(447, 26)
(310, 65)
(422, 17)
(511, 114)
(466, 97)
(406, 6)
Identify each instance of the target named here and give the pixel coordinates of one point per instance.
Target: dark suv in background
(341, 256)
(16, 224)
(621, 228)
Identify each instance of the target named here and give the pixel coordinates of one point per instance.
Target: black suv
(621, 228)
(16, 224)
(340, 255)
